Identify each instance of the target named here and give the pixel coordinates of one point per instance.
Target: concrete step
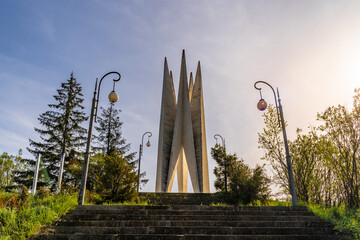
(195, 213)
(183, 198)
(105, 208)
(192, 230)
(117, 217)
(186, 237)
(209, 223)
(180, 220)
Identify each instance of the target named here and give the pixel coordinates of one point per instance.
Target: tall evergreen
(62, 133)
(109, 137)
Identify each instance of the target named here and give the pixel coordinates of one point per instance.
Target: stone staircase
(175, 221)
(183, 198)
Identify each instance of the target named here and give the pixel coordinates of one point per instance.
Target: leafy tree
(342, 128)
(62, 132)
(271, 141)
(115, 178)
(325, 160)
(248, 185)
(305, 157)
(313, 178)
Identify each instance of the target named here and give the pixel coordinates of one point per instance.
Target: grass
(126, 203)
(345, 221)
(20, 223)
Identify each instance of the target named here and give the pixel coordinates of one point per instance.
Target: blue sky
(309, 49)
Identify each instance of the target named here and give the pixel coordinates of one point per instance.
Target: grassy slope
(346, 221)
(19, 224)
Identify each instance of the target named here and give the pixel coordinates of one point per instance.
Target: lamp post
(109, 130)
(225, 163)
(262, 106)
(140, 154)
(113, 97)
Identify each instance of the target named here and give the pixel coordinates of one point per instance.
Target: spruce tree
(109, 137)
(26, 176)
(222, 170)
(62, 133)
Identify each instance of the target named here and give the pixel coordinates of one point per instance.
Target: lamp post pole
(262, 106)
(140, 154)
(36, 173)
(109, 130)
(113, 97)
(225, 162)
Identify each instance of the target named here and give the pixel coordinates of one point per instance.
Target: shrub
(248, 185)
(43, 192)
(115, 178)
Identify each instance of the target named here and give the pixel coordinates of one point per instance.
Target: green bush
(248, 186)
(43, 192)
(114, 179)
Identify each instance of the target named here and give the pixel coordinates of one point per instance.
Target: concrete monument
(182, 137)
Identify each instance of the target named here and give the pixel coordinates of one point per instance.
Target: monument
(182, 137)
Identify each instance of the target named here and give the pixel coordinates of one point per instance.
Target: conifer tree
(25, 176)
(62, 132)
(222, 170)
(109, 137)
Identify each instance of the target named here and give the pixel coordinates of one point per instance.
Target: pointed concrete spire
(166, 129)
(182, 172)
(182, 168)
(183, 138)
(172, 86)
(198, 123)
(191, 86)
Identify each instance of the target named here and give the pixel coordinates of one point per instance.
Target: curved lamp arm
(222, 139)
(276, 104)
(142, 139)
(97, 99)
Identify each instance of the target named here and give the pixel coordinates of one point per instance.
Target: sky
(310, 50)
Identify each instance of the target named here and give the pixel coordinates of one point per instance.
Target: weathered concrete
(166, 129)
(198, 123)
(190, 222)
(182, 137)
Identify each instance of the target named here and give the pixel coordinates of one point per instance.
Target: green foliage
(62, 132)
(271, 141)
(9, 164)
(325, 160)
(346, 221)
(109, 137)
(19, 224)
(248, 185)
(315, 182)
(43, 192)
(221, 171)
(113, 178)
(342, 128)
